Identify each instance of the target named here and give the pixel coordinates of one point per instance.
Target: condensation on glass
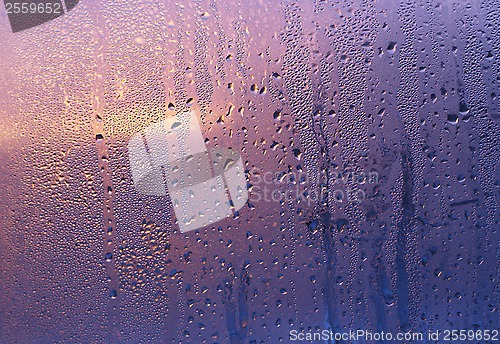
(367, 134)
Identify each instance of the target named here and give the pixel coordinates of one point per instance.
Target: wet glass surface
(369, 141)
